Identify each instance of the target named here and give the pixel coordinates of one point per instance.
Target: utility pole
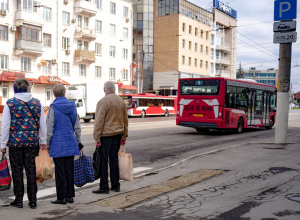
(285, 11)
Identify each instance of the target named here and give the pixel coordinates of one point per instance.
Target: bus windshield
(200, 87)
(127, 100)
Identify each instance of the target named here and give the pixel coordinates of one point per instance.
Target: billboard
(225, 8)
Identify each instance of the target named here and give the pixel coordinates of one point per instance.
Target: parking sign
(285, 10)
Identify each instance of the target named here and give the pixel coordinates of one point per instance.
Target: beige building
(182, 39)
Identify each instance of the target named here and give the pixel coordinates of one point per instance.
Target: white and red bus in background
(220, 103)
(150, 104)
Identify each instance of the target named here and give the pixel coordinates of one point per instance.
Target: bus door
(259, 99)
(267, 108)
(251, 110)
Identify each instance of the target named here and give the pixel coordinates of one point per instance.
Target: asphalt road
(155, 142)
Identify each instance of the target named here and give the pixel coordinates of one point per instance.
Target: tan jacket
(111, 117)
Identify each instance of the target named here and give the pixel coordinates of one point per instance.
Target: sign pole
(284, 75)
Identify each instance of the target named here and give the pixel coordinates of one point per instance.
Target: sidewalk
(243, 182)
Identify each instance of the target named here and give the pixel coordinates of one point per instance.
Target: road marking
(141, 123)
(52, 190)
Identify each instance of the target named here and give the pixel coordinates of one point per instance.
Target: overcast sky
(252, 14)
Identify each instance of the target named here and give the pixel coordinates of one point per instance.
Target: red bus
(220, 103)
(150, 104)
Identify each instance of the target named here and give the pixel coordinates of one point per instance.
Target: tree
(240, 73)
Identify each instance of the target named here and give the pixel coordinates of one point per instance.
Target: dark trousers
(19, 158)
(64, 177)
(109, 152)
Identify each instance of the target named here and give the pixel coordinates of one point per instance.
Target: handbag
(38, 147)
(83, 171)
(96, 164)
(125, 165)
(5, 178)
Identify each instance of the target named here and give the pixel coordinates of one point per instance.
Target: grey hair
(22, 83)
(59, 90)
(109, 86)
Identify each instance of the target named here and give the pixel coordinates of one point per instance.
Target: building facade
(267, 77)
(71, 41)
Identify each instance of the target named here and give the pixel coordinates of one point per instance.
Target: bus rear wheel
(86, 120)
(240, 127)
(143, 114)
(271, 124)
(166, 113)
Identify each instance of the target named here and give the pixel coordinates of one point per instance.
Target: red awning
(49, 80)
(128, 87)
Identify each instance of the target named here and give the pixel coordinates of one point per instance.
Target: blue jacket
(63, 142)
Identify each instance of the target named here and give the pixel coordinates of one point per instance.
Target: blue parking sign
(285, 10)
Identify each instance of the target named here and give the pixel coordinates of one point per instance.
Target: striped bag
(5, 178)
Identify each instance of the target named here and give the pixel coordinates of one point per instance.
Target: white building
(80, 41)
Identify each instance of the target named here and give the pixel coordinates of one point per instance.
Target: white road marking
(52, 190)
(141, 124)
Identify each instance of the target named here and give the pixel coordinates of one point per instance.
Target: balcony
(225, 47)
(82, 33)
(29, 47)
(28, 17)
(225, 61)
(85, 56)
(85, 7)
(223, 73)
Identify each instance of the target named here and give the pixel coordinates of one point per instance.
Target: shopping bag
(96, 164)
(125, 165)
(5, 178)
(43, 167)
(83, 171)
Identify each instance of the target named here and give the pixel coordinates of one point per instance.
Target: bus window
(231, 97)
(241, 98)
(259, 104)
(273, 102)
(135, 103)
(127, 100)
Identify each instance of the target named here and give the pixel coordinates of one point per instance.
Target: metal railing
(85, 55)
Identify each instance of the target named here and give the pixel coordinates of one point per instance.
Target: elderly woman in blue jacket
(62, 123)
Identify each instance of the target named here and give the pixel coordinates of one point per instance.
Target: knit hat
(16, 90)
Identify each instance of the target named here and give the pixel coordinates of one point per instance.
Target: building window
(201, 63)
(65, 43)
(212, 40)
(79, 45)
(212, 68)
(125, 53)
(98, 71)
(99, 26)
(86, 22)
(183, 43)
(183, 27)
(98, 49)
(79, 21)
(112, 8)
(47, 40)
(47, 14)
(66, 17)
(113, 29)
(125, 33)
(196, 31)
(47, 68)
(206, 50)
(112, 73)
(190, 29)
(82, 70)
(25, 64)
(206, 35)
(183, 60)
(3, 62)
(125, 75)
(190, 61)
(4, 4)
(212, 54)
(29, 32)
(195, 62)
(206, 64)
(28, 5)
(190, 45)
(112, 51)
(125, 12)
(65, 68)
(202, 32)
(196, 47)
(201, 49)
(86, 45)
(99, 4)
(3, 32)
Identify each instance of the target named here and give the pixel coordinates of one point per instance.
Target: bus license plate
(198, 115)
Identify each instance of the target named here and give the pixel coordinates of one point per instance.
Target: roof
(128, 87)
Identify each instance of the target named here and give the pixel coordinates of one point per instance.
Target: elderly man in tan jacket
(110, 131)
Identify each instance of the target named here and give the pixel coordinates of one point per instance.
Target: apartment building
(267, 77)
(67, 41)
(182, 44)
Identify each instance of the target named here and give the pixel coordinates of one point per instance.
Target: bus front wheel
(240, 126)
(143, 114)
(166, 113)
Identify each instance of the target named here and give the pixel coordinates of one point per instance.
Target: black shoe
(116, 189)
(70, 200)
(32, 205)
(101, 191)
(59, 201)
(16, 204)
